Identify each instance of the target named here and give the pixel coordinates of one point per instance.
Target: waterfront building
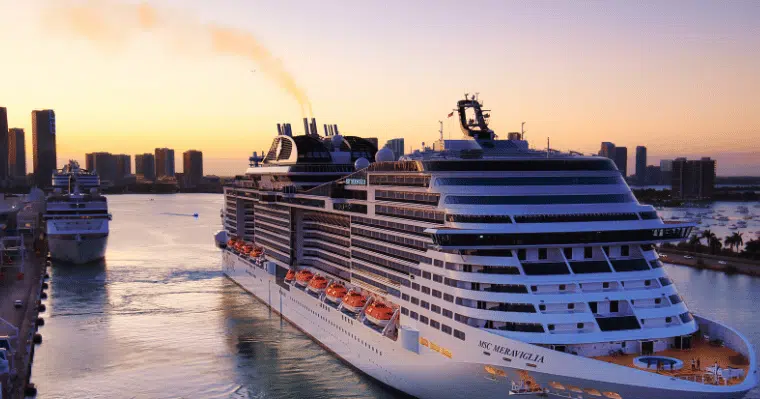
(164, 162)
(397, 146)
(653, 175)
(607, 150)
(693, 179)
(16, 153)
(105, 165)
(641, 164)
(4, 149)
(123, 166)
(621, 160)
(44, 157)
(145, 166)
(192, 167)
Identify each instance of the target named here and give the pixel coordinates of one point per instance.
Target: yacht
(76, 216)
(479, 268)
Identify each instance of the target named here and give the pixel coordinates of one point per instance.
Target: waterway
(159, 320)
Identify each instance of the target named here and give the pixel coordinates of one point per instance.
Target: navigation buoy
(37, 339)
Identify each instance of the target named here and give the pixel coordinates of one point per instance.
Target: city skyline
(619, 72)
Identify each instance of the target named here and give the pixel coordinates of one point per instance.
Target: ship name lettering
(506, 351)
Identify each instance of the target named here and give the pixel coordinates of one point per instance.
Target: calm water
(159, 320)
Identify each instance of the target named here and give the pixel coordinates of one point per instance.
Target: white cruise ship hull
(85, 250)
(429, 374)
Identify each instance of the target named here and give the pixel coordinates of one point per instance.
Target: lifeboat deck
(708, 354)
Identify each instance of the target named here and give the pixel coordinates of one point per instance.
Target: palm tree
(739, 240)
(694, 242)
(715, 245)
(707, 234)
(730, 241)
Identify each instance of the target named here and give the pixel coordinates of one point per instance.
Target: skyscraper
(693, 179)
(104, 163)
(16, 153)
(397, 146)
(641, 164)
(4, 154)
(123, 165)
(666, 171)
(43, 140)
(607, 150)
(192, 167)
(164, 162)
(145, 165)
(621, 160)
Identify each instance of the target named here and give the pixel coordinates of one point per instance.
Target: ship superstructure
(479, 268)
(77, 216)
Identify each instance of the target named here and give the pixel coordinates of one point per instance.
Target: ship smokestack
(335, 129)
(279, 130)
(314, 131)
(306, 126)
(326, 133)
(330, 129)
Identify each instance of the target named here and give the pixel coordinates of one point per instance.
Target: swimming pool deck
(708, 355)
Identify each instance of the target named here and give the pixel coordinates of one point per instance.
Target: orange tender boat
(230, 242)
(318, 284)
(354, 301)
(247, 249)
(379, 314)
(335, 292)
(303, 277)
(290, 276)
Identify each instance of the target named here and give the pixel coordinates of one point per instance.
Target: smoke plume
(110, 23)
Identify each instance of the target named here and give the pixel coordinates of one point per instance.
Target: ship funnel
(314, 131)
(288, 131)
(279, 130)
(306, 126)
(335, 129)
(326, 133)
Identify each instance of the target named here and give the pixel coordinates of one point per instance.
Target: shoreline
(733, 265)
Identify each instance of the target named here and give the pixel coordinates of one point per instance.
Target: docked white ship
(77, 216)
(477, 269)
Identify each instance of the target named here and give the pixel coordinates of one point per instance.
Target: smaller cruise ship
(76, 216)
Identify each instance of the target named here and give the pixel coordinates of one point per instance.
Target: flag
(451, 114)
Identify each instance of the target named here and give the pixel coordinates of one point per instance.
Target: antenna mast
(547, 147)
(522, 131)
(440, 130)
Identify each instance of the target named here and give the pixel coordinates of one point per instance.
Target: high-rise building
(123, 165)
(693, 179)
(652, 175)
(44, 157)
(621, 160)
(666, 171)
(397, 146)
(164, 162)
(192, 167)
(104, 163)
(4, 154)
(16, 153)
(145, 166)
(607, 150)
(641, 164)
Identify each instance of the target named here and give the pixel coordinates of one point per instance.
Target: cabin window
(625, 250)
(521, 254)
(568, 253)
(542, 253)
(588, 252)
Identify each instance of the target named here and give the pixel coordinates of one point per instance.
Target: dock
(23, 272)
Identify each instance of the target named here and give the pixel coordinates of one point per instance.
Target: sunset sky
(680, 77)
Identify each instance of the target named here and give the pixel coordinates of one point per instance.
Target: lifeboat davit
(290, 276)
(379, 314)
(335, 292)
(303, 277)
(354, 301)
(317, 284)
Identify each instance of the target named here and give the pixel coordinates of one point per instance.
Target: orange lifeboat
(318, 284)
(303, 277)
(256, 252)
(247, 249)
(290, 276)
(230, 242)
(335, 292)
(354, 301)
(379, 314)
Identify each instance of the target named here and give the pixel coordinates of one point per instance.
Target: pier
(22, 289)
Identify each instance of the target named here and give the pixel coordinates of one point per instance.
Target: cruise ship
(479, 268)
(76, 216)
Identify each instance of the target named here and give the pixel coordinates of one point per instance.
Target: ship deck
(709, 354)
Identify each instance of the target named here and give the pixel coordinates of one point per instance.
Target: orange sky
(181, 74)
